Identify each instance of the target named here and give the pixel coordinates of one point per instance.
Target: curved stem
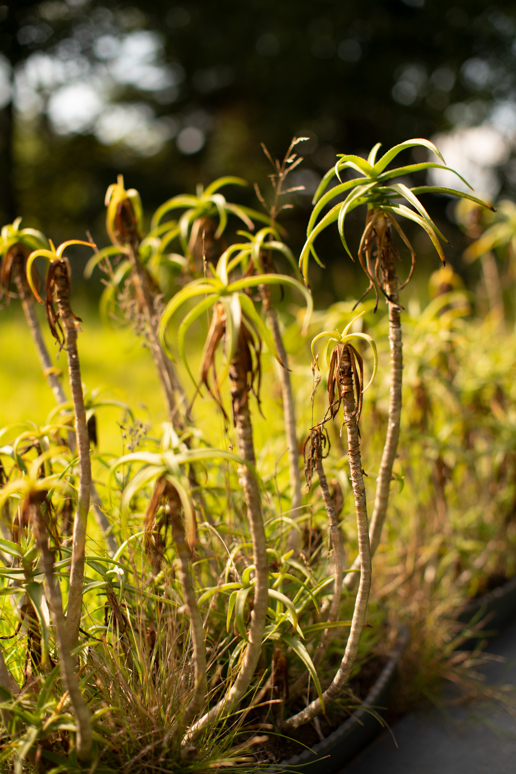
(63, 637)
(53, 379)
(174, 395)
(249, 484)
(359, 494)
(391, 289)
(70, 327)
(289, 414)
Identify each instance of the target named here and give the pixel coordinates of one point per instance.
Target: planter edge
(329, 755)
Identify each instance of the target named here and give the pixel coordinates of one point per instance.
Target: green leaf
(195, 288)
(190, 318)
(393, 152)
(408, 170)
(224, 589)
(37, 597)
(275, 594)
(372, 156)
(323, 184)
(13, 549)
(406, 212)
(451, 192)
(28, 742)
(300, 651)
(219, 202)
(222, 181)
(263, 331)
(353, 200)
(326, 199)
(407, 194)
(349, 161)
(320, 627)
(241, 599)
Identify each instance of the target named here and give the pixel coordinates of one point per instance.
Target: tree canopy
(171, 94)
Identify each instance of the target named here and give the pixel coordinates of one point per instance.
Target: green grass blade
(302, 653)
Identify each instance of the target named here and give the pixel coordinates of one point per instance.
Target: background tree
(172, 94)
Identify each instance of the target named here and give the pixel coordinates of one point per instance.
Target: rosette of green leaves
(207, 203)
(28, 576)
(169, 464)
(12, 235)
(238, 306)
(376, 188)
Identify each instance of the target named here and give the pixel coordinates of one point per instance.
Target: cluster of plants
(183, 605)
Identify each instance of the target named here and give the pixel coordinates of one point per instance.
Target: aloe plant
(345, 390)
(203, 221)
(15, 246)
(376, 189)
(35, 511)
(64, 326)
(266, 244)
(124, 226)
(236, 321)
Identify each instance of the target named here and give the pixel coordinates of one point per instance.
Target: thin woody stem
(359, 494)
(289, 413)
(69, 323)
(249, 484)
(63, 637)
(173, 392)
(390, 283)
(53, 380)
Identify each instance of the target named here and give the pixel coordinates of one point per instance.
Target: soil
(279, 748)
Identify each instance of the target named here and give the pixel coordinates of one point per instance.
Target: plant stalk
(390, 283)
(70, 327)
(249, 484)
(359, 494)
(63, 636)
(52, 377)
(289, 413)
(174, 395)
(338, 561)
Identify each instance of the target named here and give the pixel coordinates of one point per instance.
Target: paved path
(475, 739)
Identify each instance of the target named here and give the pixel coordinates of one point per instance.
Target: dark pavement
(478, 738)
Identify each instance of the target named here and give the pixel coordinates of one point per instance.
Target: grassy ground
(111, 359)
(114, 362)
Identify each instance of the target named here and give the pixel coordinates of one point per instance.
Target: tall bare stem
(359, 494)
(289, 412)
(390, 284)
(70, 327)
(49, 372)
(249, 484)
(338, 560)
(63, 633)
